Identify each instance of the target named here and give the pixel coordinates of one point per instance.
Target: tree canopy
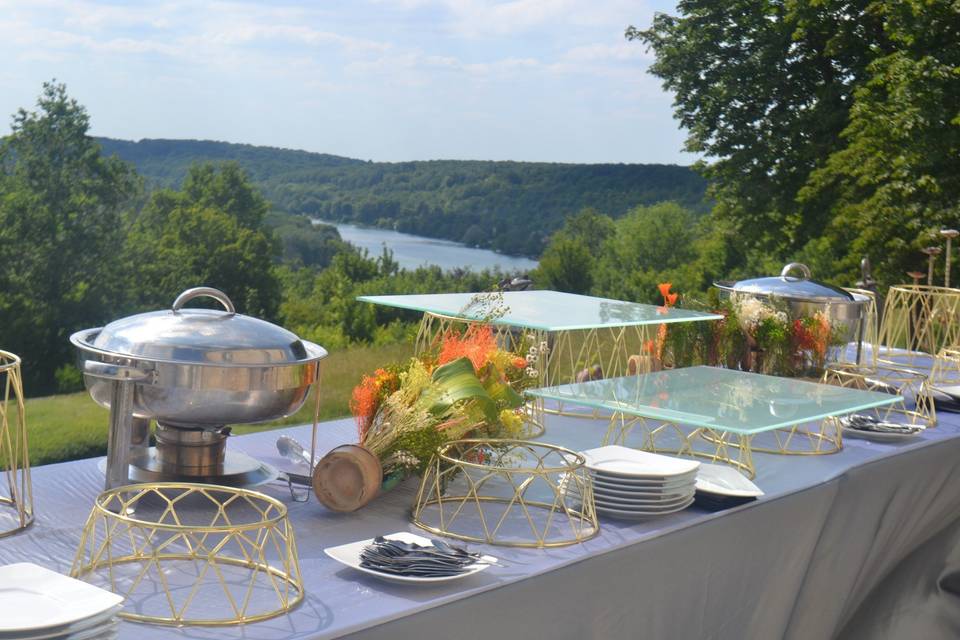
(511, 207)
(62, 226)
(830, 128)
(209, 233)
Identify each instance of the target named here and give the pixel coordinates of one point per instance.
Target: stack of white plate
(39, 604)
(628, 483)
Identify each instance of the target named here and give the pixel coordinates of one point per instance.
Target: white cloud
(387, 79)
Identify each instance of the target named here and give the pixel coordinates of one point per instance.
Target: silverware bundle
(411, 559)
(868, 423)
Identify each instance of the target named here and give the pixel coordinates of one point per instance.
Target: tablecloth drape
(859, 544)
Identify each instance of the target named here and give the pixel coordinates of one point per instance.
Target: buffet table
(859, 544)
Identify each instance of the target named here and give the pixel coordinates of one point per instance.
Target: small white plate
(722, 480)
(614, 460)
(635, 514)
(878, 436)
(34, 599)
(349, 555)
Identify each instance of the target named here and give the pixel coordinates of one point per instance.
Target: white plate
(632, 493)
(643, 485)
(617, 494)
(634, 514)
(722, 480)
(614, 460)
(645, 505)
(952, 391)
(34, 599)
(99, 626)
(878, 436)
(349, 554)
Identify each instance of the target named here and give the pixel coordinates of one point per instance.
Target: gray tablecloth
(860, 544)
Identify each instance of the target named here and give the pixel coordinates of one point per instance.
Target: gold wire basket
(16, 489)
(912, 386)
(507, 492)
(191, 554)
(918, 321)
(945, 374)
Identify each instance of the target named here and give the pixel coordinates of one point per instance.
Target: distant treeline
(512, 207)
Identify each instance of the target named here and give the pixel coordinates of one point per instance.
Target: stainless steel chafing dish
(194, 371)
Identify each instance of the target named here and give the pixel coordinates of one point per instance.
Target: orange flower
(671, 299)
(477, 344)
(519, 363)
(664, 288)
(363, 404)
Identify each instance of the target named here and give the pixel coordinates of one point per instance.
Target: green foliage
(833, 126)
(62, 224)
(896, 181)
(303, 243)
(512, 207)
(210, 234)
(568, 262)
(650, 245)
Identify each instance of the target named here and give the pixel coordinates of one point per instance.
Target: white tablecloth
(859, 544)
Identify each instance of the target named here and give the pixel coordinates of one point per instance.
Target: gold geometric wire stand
(507, 492)
(714, 445)
(16, 488)
(900, 381)
(555, 357)
(945, 373)
(817, 438)
(191, 554)
(918, 321)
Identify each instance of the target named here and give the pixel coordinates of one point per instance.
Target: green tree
(568, 262)
(832, 126)
(210, 234)
(62, 226)
(896, 182)
(650, 245)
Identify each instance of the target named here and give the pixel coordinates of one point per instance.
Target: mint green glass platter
(544, 310)
(718, 399)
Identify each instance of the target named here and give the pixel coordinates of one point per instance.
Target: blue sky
(546, 80)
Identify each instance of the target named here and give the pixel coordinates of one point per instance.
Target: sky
(384, 80)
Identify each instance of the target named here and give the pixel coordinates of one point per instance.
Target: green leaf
(455, 382)
(503, 394)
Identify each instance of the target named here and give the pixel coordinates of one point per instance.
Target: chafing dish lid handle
(804, 270)
(208, 292)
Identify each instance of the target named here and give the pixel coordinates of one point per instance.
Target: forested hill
(512, 207)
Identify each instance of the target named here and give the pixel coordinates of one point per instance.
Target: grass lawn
(71, 426)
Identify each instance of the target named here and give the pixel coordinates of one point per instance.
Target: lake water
(412, 251)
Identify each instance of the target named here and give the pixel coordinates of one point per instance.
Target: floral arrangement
(469, 387)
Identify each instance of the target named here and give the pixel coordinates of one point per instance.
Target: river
(412, 251)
